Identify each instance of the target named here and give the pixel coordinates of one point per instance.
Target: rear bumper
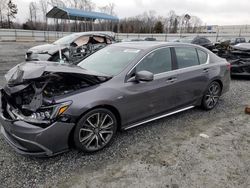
(28, 139)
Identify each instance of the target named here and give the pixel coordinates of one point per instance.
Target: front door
(148, 99)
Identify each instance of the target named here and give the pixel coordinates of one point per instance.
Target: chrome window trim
(147, 55)
(199, 58)
(208, 58)
(176, 70)
(158, 117)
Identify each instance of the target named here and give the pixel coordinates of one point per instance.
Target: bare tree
(86, 5)
(11, 12)
(108, 9)
(3, 10)
(33, 10)
(171, 21)
(195, 24)
(44, 8)
(144, 23)
(58, 3)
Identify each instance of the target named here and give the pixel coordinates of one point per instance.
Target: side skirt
(158, 117)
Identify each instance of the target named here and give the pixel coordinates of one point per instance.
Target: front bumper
(240, 70)
(29, 139)
(240, 67)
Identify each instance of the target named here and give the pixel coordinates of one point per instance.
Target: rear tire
(211, 96)
(95, 130)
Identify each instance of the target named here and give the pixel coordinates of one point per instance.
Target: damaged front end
(240, 67)
(32, 88)
(239, 58)
(34, 117)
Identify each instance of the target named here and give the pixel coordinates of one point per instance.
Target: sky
(211, 12)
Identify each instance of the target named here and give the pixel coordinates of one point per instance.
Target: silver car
(46, 108)
(72, 48)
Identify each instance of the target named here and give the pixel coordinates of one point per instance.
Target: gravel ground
(164, 153)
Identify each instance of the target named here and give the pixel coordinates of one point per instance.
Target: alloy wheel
(212, 95)
(96, 131)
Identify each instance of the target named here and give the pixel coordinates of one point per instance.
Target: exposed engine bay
(30, 96)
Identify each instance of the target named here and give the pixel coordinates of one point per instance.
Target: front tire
(211, 96)
(95, 130)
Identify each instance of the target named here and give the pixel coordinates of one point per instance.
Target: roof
(147, 45)
(142, 45)
(101, 33)
(78, 14)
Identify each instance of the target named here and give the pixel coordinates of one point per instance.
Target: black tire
(211, 96)
(95, 130)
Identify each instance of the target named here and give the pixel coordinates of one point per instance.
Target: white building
(227, 29)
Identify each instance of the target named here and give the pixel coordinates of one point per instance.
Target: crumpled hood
(46, 48)
(35, 69)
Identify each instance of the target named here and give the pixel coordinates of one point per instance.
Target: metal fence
(17, 35)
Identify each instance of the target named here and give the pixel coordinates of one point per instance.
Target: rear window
(186, 57)
(202, 56)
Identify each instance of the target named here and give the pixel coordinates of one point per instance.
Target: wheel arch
(217, 80)
(113, 109)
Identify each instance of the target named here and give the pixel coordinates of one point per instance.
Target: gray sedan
(46, 108)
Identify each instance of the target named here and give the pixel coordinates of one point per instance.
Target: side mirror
(144, 76)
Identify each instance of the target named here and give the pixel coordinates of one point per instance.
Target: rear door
(193, 74)
(146, 99)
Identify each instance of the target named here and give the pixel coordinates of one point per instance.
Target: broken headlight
(48, 113)
(44, 115)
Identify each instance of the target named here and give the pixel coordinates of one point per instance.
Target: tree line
(8, 11)
(147, 22)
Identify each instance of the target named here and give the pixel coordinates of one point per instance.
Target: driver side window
(158, 61)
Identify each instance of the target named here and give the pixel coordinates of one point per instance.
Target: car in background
(150, 39)
(72, 48)
(199, 40)
(237, 40)
(132, 40)
(48, 107)
(138, 39)
(224, 43)
(239, 57)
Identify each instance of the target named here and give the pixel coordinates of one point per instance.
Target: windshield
(66, 40)
(110, 60)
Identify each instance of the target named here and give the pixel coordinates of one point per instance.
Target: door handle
(171, 80)
(206, 70)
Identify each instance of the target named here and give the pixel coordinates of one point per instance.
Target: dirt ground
(165, 153)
